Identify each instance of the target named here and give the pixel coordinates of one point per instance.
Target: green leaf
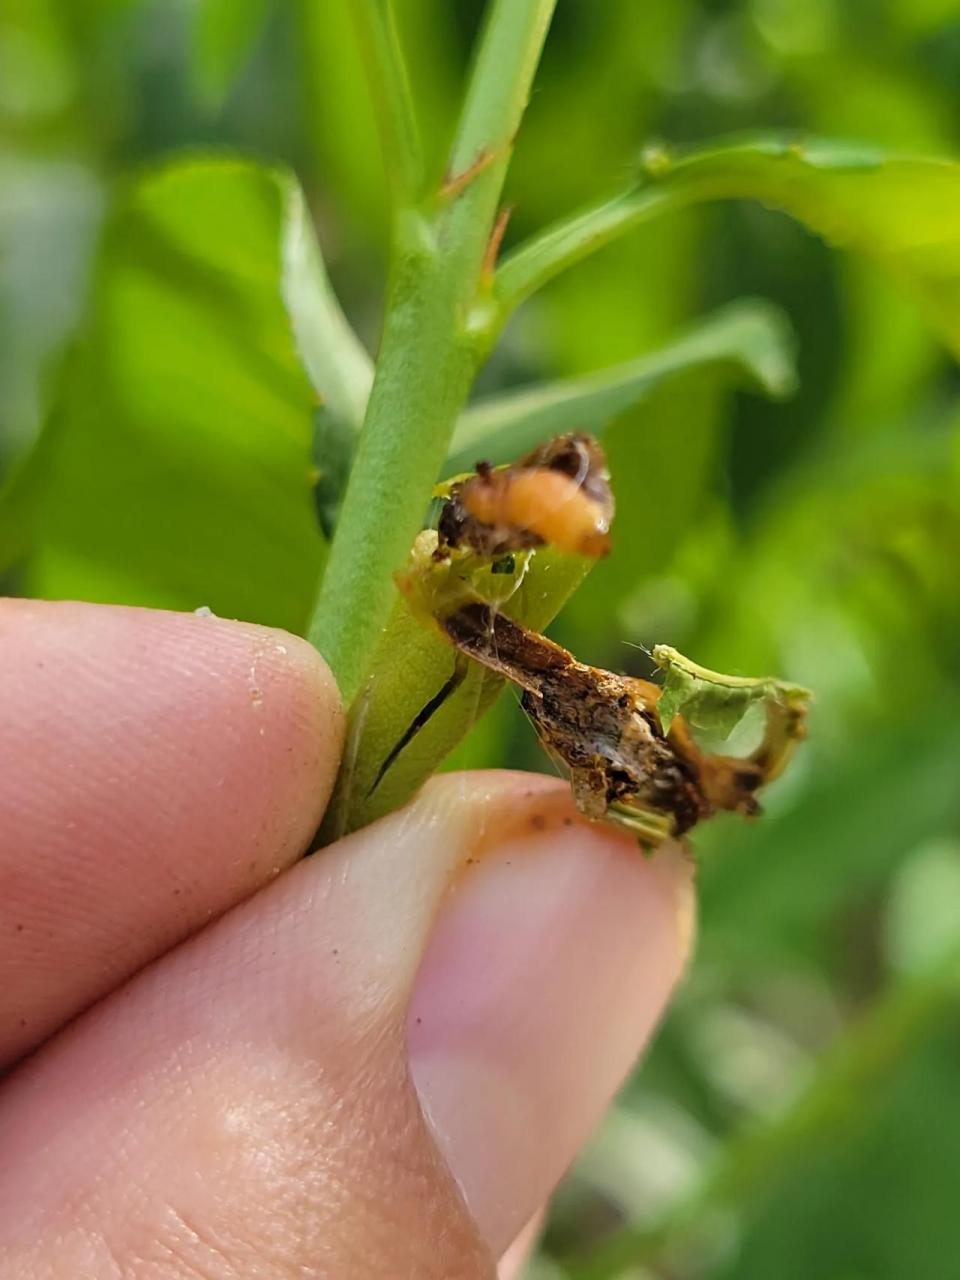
(178, 471)
(750, 340)
(338, 365)
(421, 698)
(898, 210)
(224, 33)
(50, 214)
(715, 703)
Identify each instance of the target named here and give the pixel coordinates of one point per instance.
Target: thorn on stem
(453, 186)
(493, 246)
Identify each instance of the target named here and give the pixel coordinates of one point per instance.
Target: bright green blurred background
(800, 1114)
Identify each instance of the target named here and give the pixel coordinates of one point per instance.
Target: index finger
(155, 769)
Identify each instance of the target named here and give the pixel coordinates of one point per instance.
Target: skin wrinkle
(194, 1252)
(72, 1255)
(297, 1120)
(351, 1179)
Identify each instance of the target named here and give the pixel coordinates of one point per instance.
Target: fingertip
(304, 697)
(167, 703)
(158, 768)
(502, 804)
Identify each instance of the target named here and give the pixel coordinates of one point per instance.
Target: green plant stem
(844, 1086)
(393, 101)
(664, 185)
(499, 86)
(432, 344)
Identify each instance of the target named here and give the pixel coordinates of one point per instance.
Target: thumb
(551, 961)
(254, 1103)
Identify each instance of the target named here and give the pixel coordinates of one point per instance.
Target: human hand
(252, 1102)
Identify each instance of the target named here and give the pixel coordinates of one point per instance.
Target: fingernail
(550, 962)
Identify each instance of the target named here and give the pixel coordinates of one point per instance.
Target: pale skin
(225, 1062)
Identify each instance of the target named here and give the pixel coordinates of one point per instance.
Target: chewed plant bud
(628, 745)
(626, 764)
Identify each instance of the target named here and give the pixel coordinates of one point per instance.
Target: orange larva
(547, 503)
(559, 493)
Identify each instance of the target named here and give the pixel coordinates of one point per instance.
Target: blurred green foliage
(142, 328)
(182, 425)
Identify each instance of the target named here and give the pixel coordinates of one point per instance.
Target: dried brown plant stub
(558, 493)
(627, 744)
(605, 730)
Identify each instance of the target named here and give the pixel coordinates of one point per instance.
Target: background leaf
(748, 340)
(177, 472)
(224, 34)
(339, 367)
(896, 210)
